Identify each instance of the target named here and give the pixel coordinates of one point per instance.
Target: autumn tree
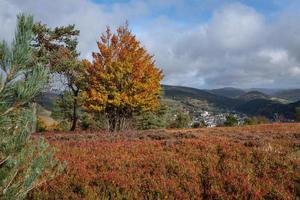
(122, 78)
(57, 48)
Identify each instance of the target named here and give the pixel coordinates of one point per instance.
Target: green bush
(182, 120)
(256, 120)
(200, 124)
(41, 125)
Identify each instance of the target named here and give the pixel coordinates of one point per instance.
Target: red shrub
(205, 167)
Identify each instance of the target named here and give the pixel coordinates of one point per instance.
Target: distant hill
(292, 95)
(228, 92)
(252, 103)
(249, 96)
(268, 91)
(187, 92)
(268, 108)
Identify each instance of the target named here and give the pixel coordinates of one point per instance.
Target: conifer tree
(25, 162)
(57, 49)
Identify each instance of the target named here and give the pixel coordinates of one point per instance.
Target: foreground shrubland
(257, 162)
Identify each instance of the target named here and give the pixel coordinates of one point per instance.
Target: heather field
(251, 162)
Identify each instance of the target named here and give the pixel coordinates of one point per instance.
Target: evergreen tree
(182, 120)
(297, 114)
(56, 48)
(256, 120)
(153, 119)
(25, 162)
(64, 108)
(231, 121)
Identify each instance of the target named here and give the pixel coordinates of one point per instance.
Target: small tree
(71, 69)
(182, 120)
(256, 120)
(122, 79)
(24, 162)
(231, 120)
(297, 114)
(153, 119)
(200, 124)
(62, 108)
(57, 49)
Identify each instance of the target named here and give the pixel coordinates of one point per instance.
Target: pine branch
(4, 160)
(10, 182)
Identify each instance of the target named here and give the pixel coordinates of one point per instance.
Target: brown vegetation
(251, 162)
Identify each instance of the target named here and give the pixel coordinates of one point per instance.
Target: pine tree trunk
(34, 116)
(75, 116)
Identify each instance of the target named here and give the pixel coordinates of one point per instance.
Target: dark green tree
(62, 107)
(153, 120)
(71, 69)
(297, 114)
(25, 162)
(231, 120)
(182, 120)
(200, 124)
(256, 120)
(57, 48)
(47, 41)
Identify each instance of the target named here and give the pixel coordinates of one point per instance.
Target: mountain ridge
(259, 104)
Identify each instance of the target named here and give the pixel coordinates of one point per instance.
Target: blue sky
(198, 43)
(193, 11)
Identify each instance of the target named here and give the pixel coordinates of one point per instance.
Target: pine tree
(57, 48)
(25, 162)
(231, 120)
(67, 65)
(159, 118)
(182, 120)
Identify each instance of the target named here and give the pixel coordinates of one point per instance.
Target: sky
(197, 43)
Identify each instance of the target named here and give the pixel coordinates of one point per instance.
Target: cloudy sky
(198, 43)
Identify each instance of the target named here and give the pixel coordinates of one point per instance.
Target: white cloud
(8, 14)
(235, 27)
(275, 56)
(91, 18)
(237, 46)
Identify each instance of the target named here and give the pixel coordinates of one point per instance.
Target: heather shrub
(197, 168)
(41, 125)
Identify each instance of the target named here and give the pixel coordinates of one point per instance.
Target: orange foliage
(122, 78)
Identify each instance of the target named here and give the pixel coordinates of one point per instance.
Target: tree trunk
(34, 114)
(74, 117)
